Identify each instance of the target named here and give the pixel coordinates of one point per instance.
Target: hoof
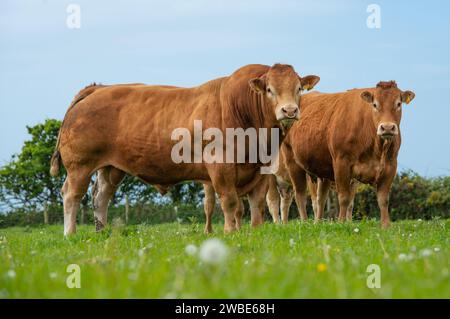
(98, 224)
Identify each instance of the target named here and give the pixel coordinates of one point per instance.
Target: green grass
(262, 263)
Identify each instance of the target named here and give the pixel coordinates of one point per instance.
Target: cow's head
(281, 88)
(386, 102)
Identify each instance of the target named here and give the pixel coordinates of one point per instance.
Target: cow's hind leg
(108, 180)
(273, 200)
(323, 187)
(208, 205)
(75, 187)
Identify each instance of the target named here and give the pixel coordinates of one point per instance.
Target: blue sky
(43, 63)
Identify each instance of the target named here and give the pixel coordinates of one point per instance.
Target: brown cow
(127, 129)
(341, 136)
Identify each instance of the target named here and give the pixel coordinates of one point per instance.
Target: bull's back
(129, 127)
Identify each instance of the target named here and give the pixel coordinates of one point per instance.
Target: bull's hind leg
(209, 203)
(108, 180)
(75, 187)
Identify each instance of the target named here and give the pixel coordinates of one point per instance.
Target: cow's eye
(375, 105)
(269, 90)
(399, 104)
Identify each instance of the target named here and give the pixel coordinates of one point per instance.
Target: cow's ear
(258, 84)
(407, 96)
(367, 96)
(308, 82)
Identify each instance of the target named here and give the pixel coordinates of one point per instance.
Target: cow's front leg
(383, 188)
(343, 179)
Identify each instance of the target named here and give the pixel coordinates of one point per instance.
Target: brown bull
(345, 136)
(127, 129)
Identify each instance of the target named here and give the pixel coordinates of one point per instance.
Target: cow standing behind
(127, 129)
(345, 136)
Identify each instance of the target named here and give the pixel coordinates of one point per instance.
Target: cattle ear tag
(408, 99)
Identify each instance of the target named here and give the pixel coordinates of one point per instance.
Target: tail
(55, 163)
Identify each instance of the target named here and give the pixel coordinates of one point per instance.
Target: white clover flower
(437, 249)
(419, 220)
(213, 251)
(426, 252)
(405, 257)
(246, 262)
(356, 230)
(11, 274)
(191, 249)
(53, 275)
(291, 242)
(402, 257)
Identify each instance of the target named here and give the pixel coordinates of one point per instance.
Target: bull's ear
(367, 96)
(308, 82)
(407, 96)
(258, 84)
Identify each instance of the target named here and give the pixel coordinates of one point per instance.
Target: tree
(25, 181)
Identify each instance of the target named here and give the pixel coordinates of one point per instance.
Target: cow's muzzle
(387, 130)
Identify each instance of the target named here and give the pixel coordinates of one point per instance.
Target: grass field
(298, 260)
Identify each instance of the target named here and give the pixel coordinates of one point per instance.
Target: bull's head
(281, 88)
